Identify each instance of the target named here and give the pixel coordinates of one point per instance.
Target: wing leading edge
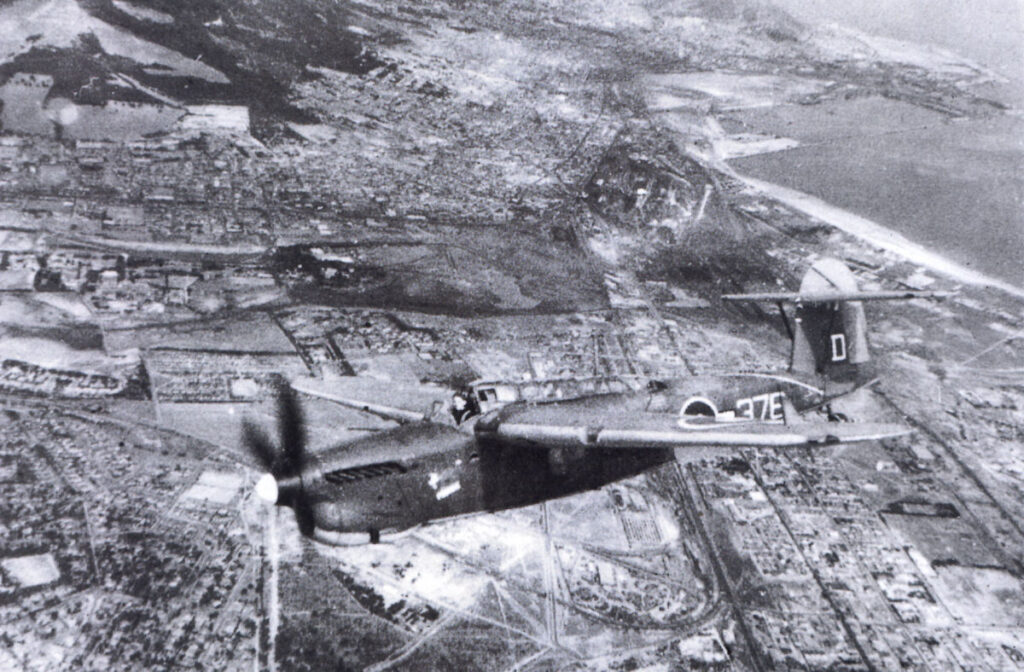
(833, 297)
(767, 436)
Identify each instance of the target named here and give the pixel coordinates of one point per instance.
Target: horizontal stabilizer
(767, 436)
(833, 297)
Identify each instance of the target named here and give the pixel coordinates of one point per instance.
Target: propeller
(285, 463)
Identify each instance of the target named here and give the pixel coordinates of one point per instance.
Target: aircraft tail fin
(830, 331)
(830, 336)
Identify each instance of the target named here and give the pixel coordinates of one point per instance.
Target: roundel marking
(698, 407)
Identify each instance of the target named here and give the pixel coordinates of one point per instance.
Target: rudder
(830, 337)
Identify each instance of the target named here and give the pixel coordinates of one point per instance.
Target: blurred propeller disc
(285, 463)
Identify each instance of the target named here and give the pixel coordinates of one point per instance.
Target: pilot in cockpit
(464, 405)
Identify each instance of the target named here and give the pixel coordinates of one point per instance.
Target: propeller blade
(304, 517)
(293, 433)
(282, 485)
(259, 445)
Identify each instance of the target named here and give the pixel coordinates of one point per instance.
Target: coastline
(878, 235)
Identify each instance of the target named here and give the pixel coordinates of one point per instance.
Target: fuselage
(738, 396)
(421, 472)
(448, 473)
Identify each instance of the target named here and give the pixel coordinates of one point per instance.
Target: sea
(956, 186)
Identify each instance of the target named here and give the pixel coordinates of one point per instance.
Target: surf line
(878, 235)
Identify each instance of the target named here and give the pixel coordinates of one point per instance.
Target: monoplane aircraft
(429, 468)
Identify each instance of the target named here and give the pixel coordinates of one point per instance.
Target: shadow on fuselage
(520, 475)
(420, 473)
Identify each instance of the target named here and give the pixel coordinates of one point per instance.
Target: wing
(767, 436)
(832, 297)
(317, 388)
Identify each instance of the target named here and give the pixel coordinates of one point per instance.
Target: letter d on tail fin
(830, 338)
